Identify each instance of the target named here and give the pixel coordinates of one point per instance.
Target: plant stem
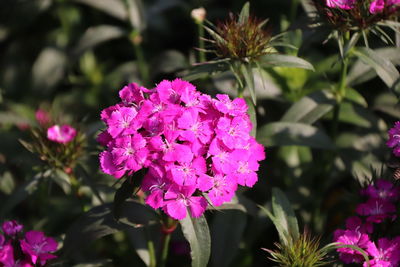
(202, 54)
(165, 248)
(150, 243)
(136, 40)
(341, 90)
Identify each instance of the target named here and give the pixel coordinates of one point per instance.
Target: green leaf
(136, 14)
(197, 234)
(48, 69)
(99, 222)
(96, 35)
(361, 72)
(383, 66)
(7, 184)
(357, 115)
(249, 78)
(310, 108)
(125, 192)
(115, 8)
(387, 103)
(278, 60)
(226, 231)
(20, 194)
(353, 41)
(293, 133)
(356, 97)
(283, 234)
(253, 116)
(244, 13)
(204, 70)
(284, 214)
(63, 180)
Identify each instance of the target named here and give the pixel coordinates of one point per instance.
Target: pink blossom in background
(351, 237)
(342, 4)
(11, 228)
(61, 134)
(377, 210)
(190, 144)
(377, 6)
(42, 117)
(386, 253)
(394, 139)
(38, 247)
(382, 189)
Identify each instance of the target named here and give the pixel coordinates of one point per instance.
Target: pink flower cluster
(34, 245)
(379, 207)
(394, 139)
(376, 6)
(192, 145)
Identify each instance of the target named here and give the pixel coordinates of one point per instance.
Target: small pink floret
(61, 134)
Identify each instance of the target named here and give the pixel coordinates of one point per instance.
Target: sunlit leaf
(293, 133)
(197, 233)
(278, 60)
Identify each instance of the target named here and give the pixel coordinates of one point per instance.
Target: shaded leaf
(197, 233)
(115, 8)
(244, 13)
(284, 214)
(253, 116)
(97, 35)
(383, 66)
(99, 222)
(282, 231)
(63, 180)
(310, 108)
(204, 70)
(356, 97)
(388, 104)
(136, 14)
(357, 115)
(226, 231)
(293, 133)
(48, 69)
(20, 194)
(278, 60)
(249, 79)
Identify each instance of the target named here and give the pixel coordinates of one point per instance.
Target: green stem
(136, 39)
(165, 248)
(293, 10)
(202, 54)
(150, 243)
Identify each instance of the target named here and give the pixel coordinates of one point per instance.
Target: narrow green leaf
(383, 67)
(353, 41)
(204, 70)
(284, 213)
(115, 8)
(136, 14)
(283, 234)
(247, 72)
(356, 97)
(20, 194)
(278, 60)
(244, 13)
(97, 35)
(62, 180)
(253, 117)
(99, 222)
(310, 108)
(226, 231)
(293, 133)
(197, 234)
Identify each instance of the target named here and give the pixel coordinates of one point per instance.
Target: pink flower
(376, 210)
(193, 146)
(394, 139)
(378, 6)
(42, 117)
(384, 190)
(12, 228)
(179, 199)
(351, 237)
(37, 246)
(386, 254)
(61, 134)
(342, 4)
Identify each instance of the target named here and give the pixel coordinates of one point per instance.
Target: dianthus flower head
(385, 254)
(61, 134)
(377, 210)
(382, 189)
(343, 4)
(12, 228)
(394, 139)
(191, 145)
(351, 237)
(38, 247)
